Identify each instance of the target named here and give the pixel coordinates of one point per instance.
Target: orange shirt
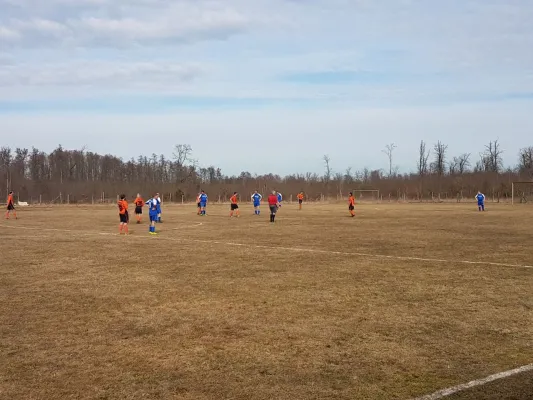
(122, 206)
(300, 196)
(10, 199)
(351, 201)
(139, 202)
(233, 199)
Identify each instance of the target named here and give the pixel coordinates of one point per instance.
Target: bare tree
(348, 176)
(453, 166)
(463, 163)
(459, 165)
(423, 159)
(182, 154)
(327, 169)
(185, 165)
(525, 161)
(389, 150)
(492, 157)
(439, 163)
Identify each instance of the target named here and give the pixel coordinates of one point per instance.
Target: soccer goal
(522, 192)
(366, 194)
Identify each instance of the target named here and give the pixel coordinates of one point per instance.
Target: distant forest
(80, 176)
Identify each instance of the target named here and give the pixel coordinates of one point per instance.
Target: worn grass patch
(231, 309)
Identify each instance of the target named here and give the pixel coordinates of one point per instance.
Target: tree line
(85, 176)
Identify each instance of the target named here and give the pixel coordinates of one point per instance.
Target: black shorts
(351, 207)
(10, 207)
(234, 207)
(273, 209)
(300, 201)
(199, 205)
(138, 210)
(124, 218)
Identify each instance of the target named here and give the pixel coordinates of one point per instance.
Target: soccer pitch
(401, 301)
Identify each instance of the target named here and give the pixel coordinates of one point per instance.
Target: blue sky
(267, 85)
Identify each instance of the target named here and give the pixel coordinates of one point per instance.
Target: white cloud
(98, 73)
(169, 23)
(8, 35)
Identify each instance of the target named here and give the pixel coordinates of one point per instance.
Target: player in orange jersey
(139, 203)
(234, 205)
(123, 214)
(10, 206)
(351, 204)
(300, 197)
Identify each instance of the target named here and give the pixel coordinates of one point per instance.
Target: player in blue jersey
(256, 199)
(158, 198)
(152, 212)
(480, 197)
(280, 198)
(203, 202)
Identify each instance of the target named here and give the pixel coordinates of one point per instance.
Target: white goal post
(366, 194)
(522, 192)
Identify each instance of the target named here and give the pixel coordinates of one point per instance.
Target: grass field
(399, 302)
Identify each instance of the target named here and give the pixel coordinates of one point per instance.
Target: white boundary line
(478, 382)
(295, 249)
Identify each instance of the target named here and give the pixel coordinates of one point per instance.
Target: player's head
(273, 192)
(234, 193)
(122, 197)
(138, 195)
(11, 192)
(351, 194)
(255, 191)
(202, 192)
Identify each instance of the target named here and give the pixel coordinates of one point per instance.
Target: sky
(268, 86)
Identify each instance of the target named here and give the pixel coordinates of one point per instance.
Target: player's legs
(273, 210)
(352, 211)
(11, 209)
(153, 219)
(199, 210)
(126, 230)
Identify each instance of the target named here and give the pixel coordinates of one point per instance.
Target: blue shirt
(256, 198)
(152, 206)
(203, 198)
(480, 198)
(280, 197)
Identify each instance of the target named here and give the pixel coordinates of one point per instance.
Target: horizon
(268, 87)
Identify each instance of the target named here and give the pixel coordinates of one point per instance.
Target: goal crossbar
(367, 191)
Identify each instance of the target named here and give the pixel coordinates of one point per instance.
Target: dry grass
(186, 315)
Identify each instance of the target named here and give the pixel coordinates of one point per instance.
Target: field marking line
(188, 226)
(478, 382)
(296, 249)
